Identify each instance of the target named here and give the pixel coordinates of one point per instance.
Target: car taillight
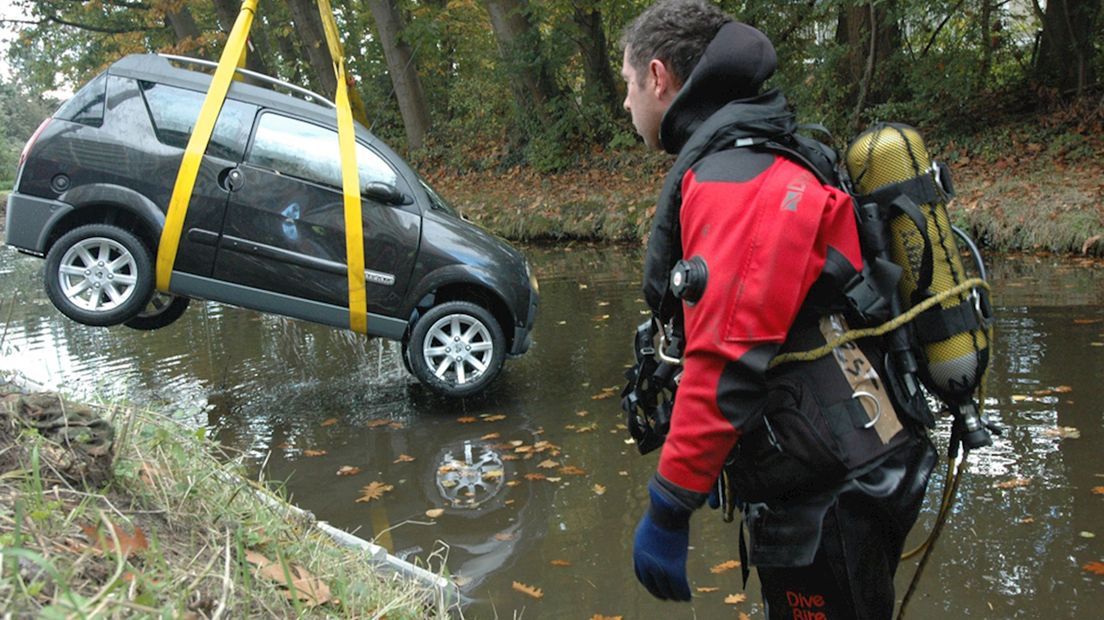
(30, 143)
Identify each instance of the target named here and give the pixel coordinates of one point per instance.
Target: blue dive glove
(660, 547)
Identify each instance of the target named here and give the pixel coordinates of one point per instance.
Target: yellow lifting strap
(232, 56)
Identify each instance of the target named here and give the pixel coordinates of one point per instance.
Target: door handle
(231, 179)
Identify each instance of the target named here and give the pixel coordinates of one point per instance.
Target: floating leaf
(493, 474)
(735, 599)
(599, 489)
(490, 436)
(374, 490)
(403, 458)
(551, 479)
(706, 589)
(535, 476)
(513, 483)
(603, 303)
(560, 563)
(378, 423)
(582, 414)
(548, 464)
(1098, 490)
(348, 470)
(129, 543)
(434, 513)
(1087, 321)
(1086, 535)
(609, 392)
(494, 418)
(530, 590)
(571, 470)
(1096, 568)
(314, 453)
(743, 616)
(1063, 432)
(516, 442)
(523, 449)
(329, 422)
(505, 536)
(725, 566)
(601, 617)
(1027, 520)
(468, 419)
(1015, 483)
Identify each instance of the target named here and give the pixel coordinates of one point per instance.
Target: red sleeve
(764, 241)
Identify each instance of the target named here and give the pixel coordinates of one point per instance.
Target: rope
(880, 330)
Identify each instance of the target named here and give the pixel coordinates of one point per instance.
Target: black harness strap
(938, 324)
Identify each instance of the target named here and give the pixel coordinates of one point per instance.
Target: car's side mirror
(385, 193)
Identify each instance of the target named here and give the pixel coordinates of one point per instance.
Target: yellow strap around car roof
(232, 56)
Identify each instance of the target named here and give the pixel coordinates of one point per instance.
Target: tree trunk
(309, 26)
(519, 44)
(1066, 48)
(404, 73)
(227, 11)
(183, 25)
(865, 68)
(595, 52)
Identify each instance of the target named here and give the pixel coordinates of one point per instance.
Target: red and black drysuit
(764, 226)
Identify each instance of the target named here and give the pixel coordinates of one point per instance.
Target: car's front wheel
(99, 275)
(456, 348)
(163, 309)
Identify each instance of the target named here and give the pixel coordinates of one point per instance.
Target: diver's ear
(662, 80)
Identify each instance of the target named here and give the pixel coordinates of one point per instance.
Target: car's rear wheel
(163, 309)
(456, 349)
(99, 275)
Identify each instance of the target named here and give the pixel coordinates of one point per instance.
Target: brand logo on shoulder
(794, 192)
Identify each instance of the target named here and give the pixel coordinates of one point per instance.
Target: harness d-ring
(877, 406)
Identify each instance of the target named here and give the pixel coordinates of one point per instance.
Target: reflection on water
(535, 481)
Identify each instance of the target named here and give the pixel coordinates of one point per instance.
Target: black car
(265, 225)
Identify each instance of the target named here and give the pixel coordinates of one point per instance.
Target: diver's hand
(660, 549)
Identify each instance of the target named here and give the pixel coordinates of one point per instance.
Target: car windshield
(435, 199)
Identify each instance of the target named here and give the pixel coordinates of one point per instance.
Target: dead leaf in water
(548, 464)
(372, 491)
(706, 589)
(378, 423)
(434, 513)
(1098, 490)
(599, 489)
(468, 419)
(494, 418)
(735, 599)
(1063, 432)
(348, 470)
(601, 617)
(505, 536)
(1087, 321)
(403, 458)
(1096, 568)
(329, 422)
(560, 563)
(571, 470)
(1015, 483)
(725, 566)
(490, 436)
(314, 453)
(535, 476)
(530, 590)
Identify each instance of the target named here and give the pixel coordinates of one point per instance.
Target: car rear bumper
(30, 219)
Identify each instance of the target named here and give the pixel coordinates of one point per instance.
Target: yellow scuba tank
(889, 164)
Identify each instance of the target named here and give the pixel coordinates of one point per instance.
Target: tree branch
(100, 29)
(938, 28)
(801, 15)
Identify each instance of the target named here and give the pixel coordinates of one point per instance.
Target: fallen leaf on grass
(433, 513)
(706, 589)
(129, 543)
(1063, 432)
(735, 599)
(560, 563)
(373, 491)
(1015, 483)
(404, 458)
(330, 422)
(314, 453)
(725, 566)
(303, 586)
(1096, 568)
(530, 590)
(348, 470)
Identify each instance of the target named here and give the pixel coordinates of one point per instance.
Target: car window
(87, 106)
(174, 112)
(308, 151)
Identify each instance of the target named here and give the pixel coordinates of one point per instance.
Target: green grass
(200, 519)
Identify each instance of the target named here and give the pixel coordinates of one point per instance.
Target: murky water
(560, 516)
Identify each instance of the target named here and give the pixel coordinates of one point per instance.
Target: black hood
(734, 66)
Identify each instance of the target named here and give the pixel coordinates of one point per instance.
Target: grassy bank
(1023, 184)
(174, 531)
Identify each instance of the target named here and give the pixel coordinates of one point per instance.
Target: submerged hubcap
(98, 274)
(458, 348)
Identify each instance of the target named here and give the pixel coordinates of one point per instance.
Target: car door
(284, 230)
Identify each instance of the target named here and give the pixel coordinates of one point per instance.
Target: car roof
(172, 71)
